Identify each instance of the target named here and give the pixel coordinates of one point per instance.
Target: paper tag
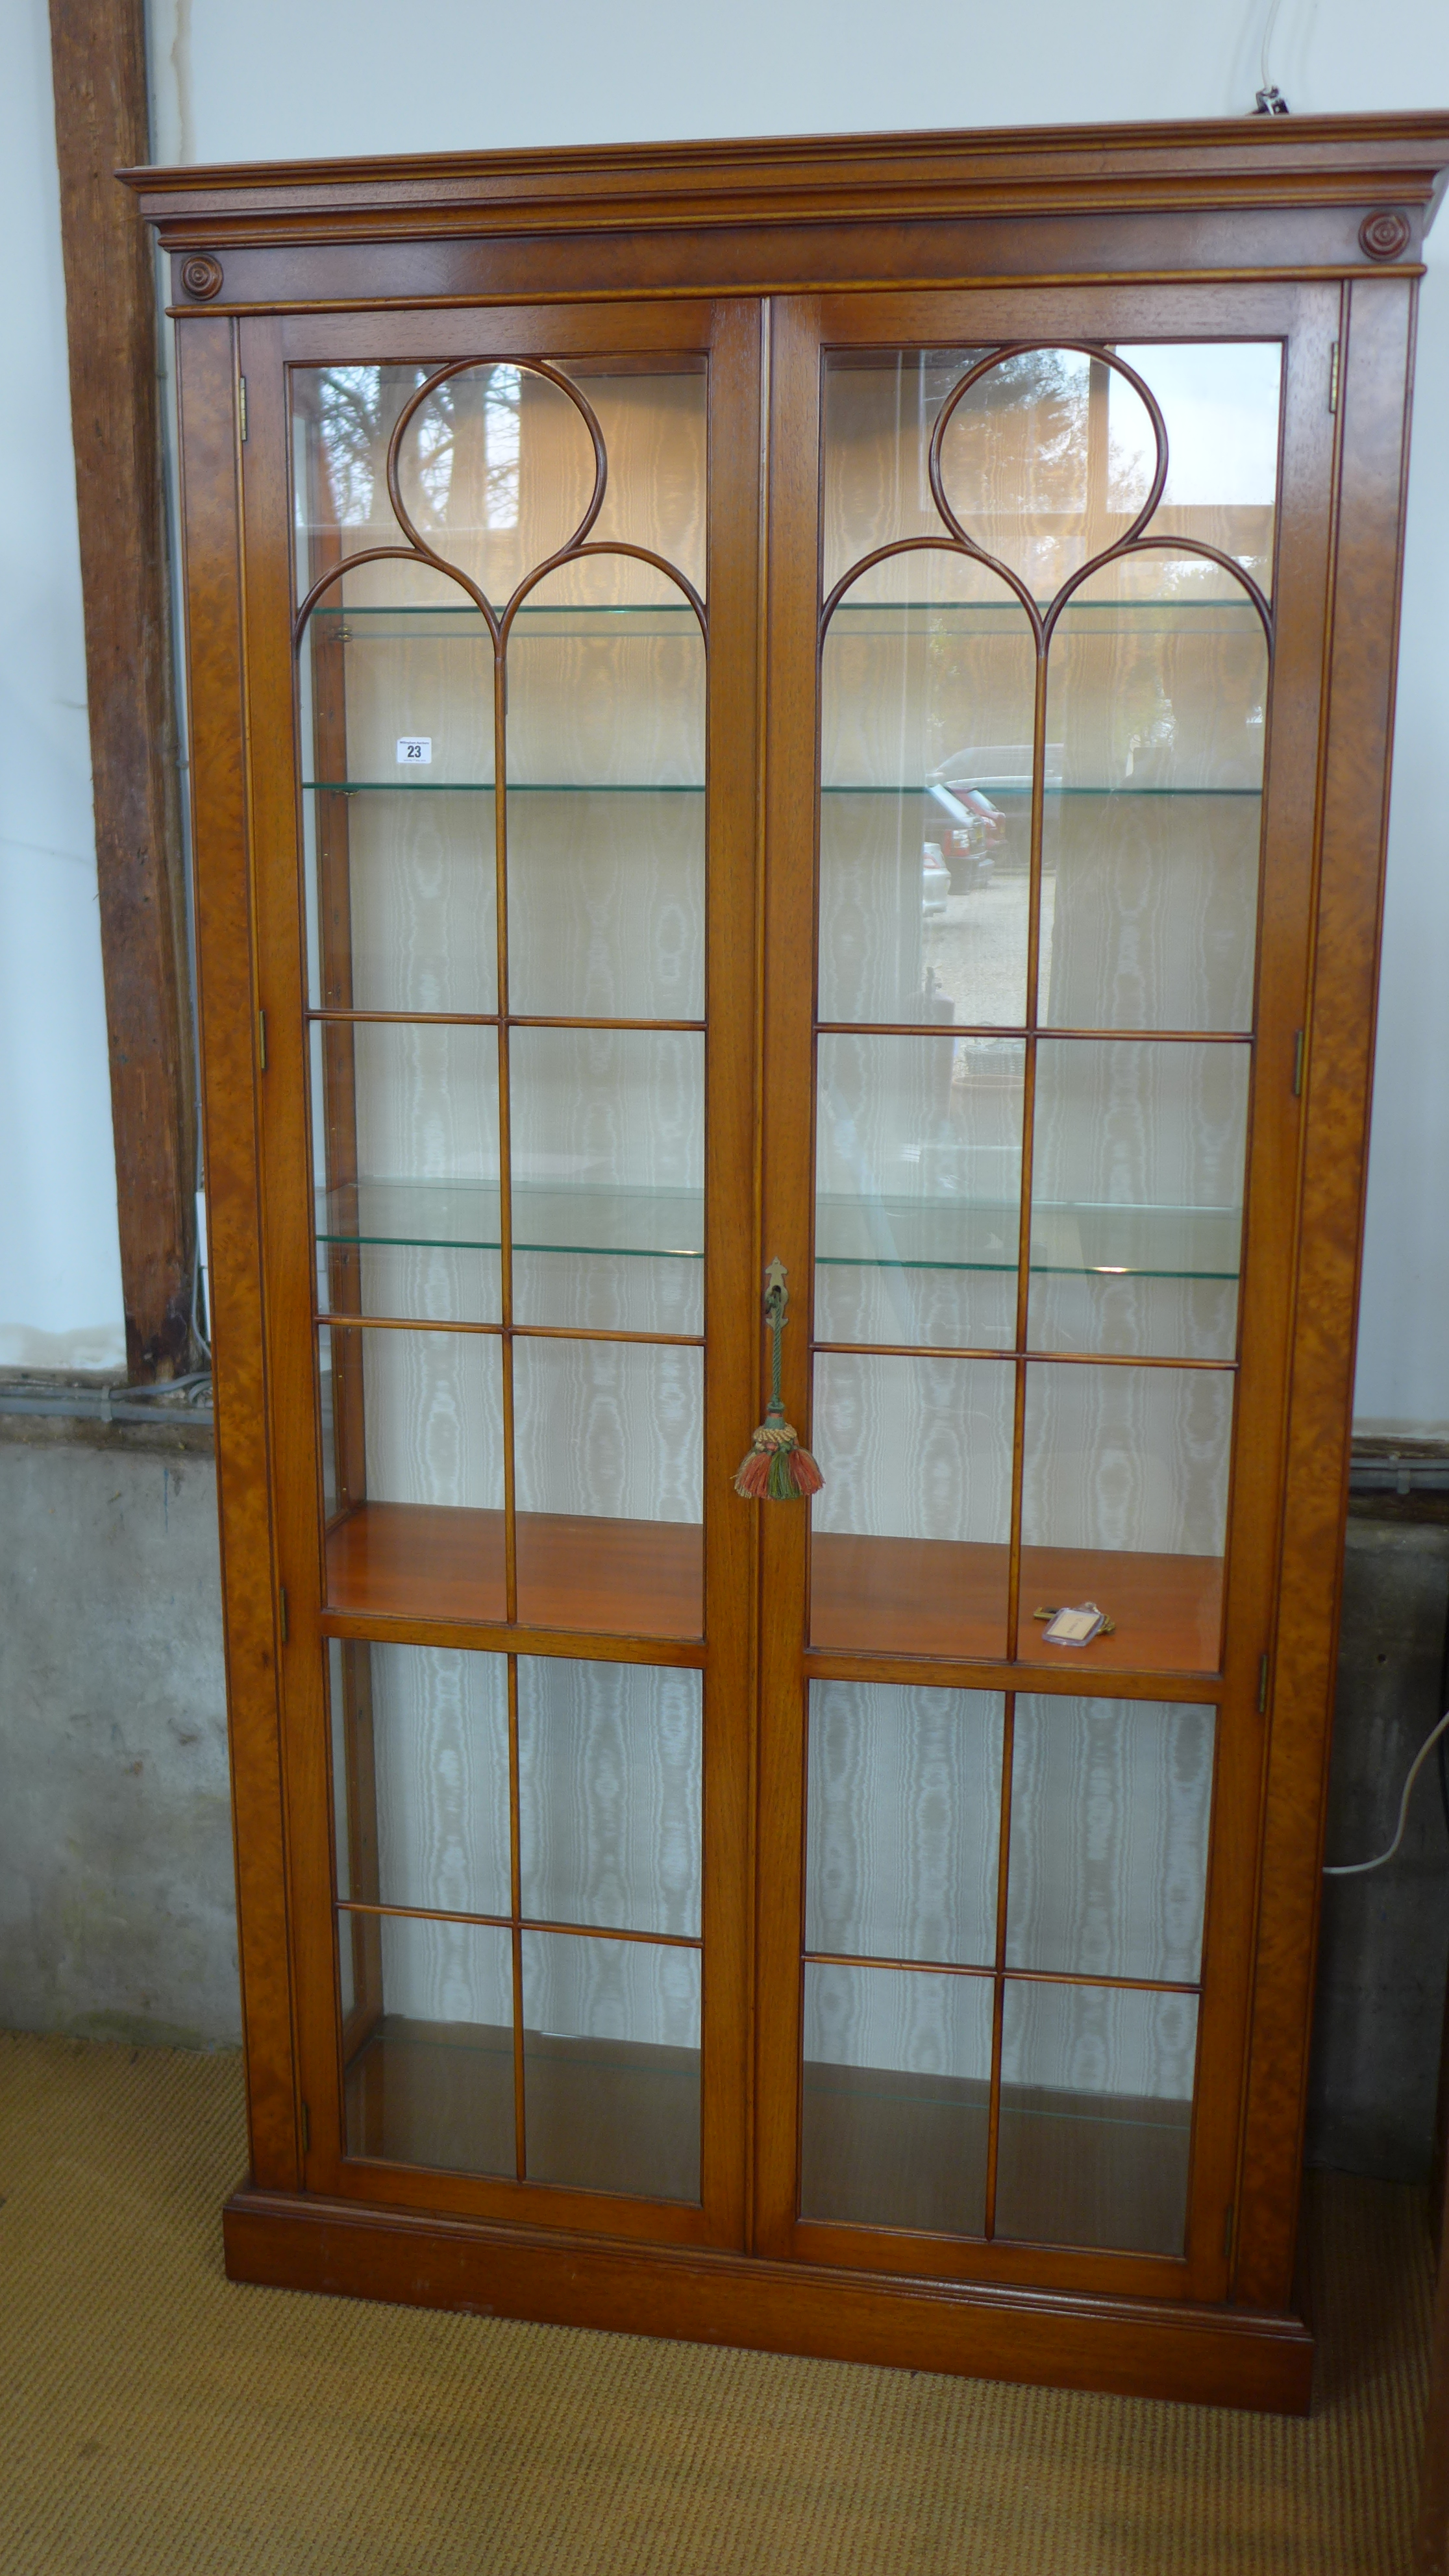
(414, 750)
(1075, 1627)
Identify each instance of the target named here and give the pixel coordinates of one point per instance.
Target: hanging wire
(1445, 1703)
(1271, 101)
(1356, 1868)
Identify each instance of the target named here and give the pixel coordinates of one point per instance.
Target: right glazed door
(1030, 1099)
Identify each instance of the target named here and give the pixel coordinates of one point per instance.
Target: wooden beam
(98, 56)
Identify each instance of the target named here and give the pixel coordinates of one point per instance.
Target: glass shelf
(486, 787)
(972, 616)
(666, 612)
(878, 1234)
(1069, 1240)
(648, 787)
(1021, 788)
(403, 624)
(462, 1216)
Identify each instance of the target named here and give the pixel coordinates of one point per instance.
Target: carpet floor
(155, 2418)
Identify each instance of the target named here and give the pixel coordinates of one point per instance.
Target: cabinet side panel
(226, 1004)
(1338, 1077)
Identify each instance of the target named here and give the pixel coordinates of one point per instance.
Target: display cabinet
(823, 704)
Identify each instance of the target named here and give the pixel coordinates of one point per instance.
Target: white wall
(60, 1277)
(284, 77)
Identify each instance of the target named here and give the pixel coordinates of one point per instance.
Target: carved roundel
(1383, 236)
(201, 276)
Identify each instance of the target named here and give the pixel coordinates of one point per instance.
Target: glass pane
(655, 428)
(909, 1544)
(606, 691)
(610, 1787)
(1096, 2116)
(611, 2064)
(343, 418)
(405, 1153)
(1046, 460)
(432, 2083)
(1124, 1502)
(609, 1469)
(896, 2098)
(1156, 690)
(1110, 1802)
(880, 408)
(904, 1822)
(412, 1429)
(918, 1190)
(399, 672)
(606, 896)
(395, 678)
(927, 680)
(429, 1411)
(420, 1770)
(400, 897)
(608, 1178)
(1220, 400)
(1137, 1198)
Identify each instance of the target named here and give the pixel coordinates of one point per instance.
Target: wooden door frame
(727, 334)
(1307, 320)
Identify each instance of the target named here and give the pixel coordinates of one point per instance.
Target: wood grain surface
(98, 55)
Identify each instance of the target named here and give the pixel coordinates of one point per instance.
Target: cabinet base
(1202, 2356)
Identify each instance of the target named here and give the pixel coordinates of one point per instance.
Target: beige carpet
(154, 2418)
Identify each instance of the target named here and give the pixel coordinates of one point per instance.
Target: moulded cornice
(1228, 163)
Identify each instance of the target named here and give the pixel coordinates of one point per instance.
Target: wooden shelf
(931, 1598)
(941, 1597)
(612, 1578)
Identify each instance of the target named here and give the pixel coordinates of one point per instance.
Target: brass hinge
(1299, 1038)
(306, 2130)
(1262, 1685)
(262, 1040)
(241, 405)
(282, 1610)
(1333, 377)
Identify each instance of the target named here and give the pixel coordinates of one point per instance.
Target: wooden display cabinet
(825, 701)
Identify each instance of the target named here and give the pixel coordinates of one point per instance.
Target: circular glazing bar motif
(1030, 348)
(525, 366)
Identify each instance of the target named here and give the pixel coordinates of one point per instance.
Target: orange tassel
(776, 1469)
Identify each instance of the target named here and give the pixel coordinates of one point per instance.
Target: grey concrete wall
(117, 1915)
(1384, 1938)
(116, 1905)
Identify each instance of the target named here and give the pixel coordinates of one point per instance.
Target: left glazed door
(501, 619)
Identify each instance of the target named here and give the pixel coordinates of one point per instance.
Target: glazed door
(1044, 589)
(503, 713)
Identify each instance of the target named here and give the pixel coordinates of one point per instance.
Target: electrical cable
(1269, 23)
(1271, 101)
(197, 1335)
(1356, 1868)
(1444, 1703)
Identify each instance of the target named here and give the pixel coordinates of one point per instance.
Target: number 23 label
(414, 750)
